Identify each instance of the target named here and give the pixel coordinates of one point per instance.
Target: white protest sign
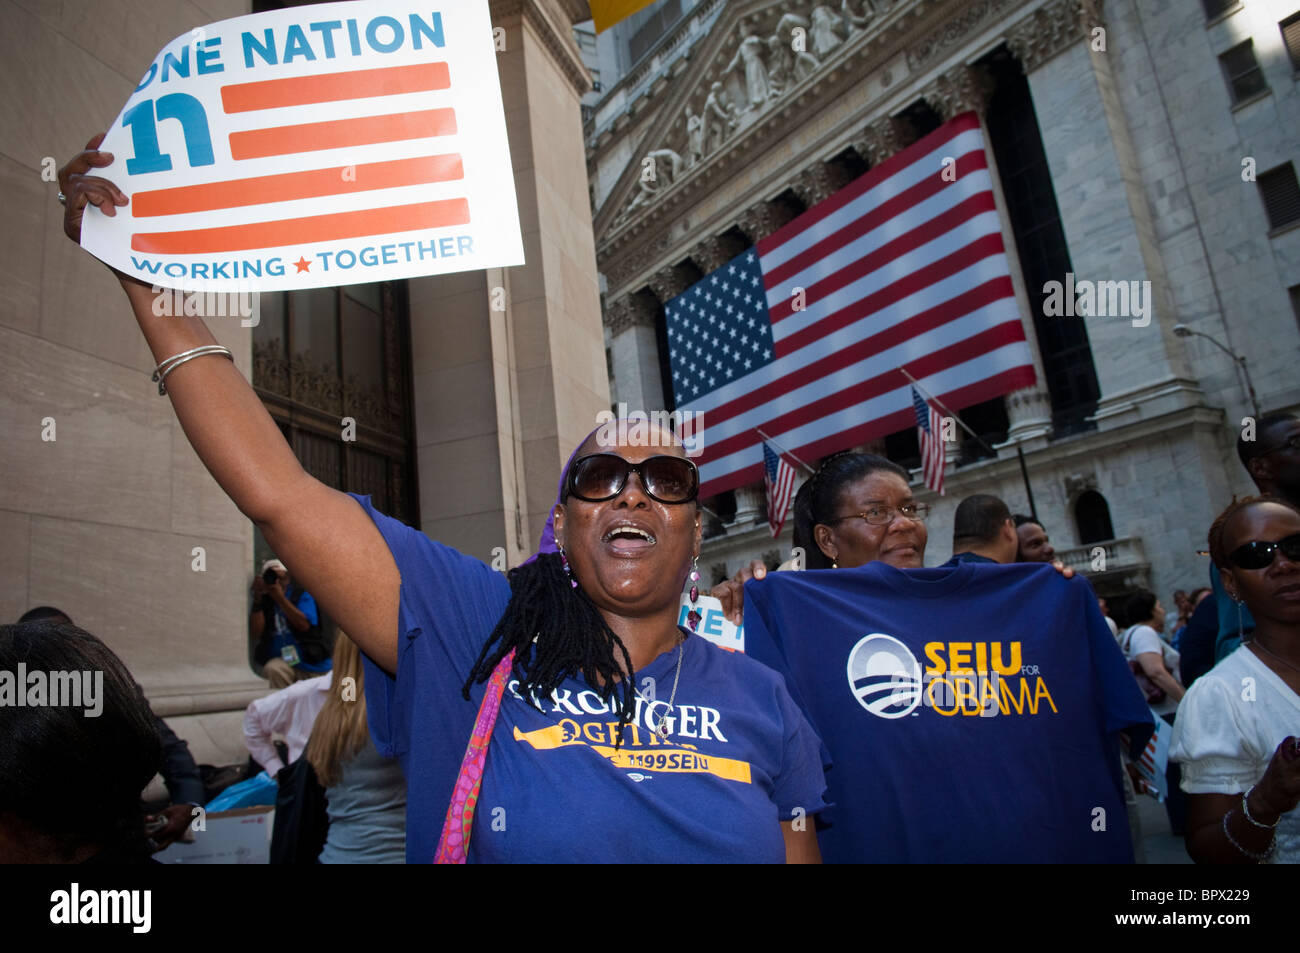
(714, 625)
(1155, 759)
(329, 144)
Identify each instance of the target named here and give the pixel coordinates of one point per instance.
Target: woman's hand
(731, 593)
(1065, 571)
(80, 189)
(1278, 791)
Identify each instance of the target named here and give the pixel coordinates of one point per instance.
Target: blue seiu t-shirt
(930, 766)
(740, 756)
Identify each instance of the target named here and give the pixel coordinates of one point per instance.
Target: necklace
(1260, 645)
(657, 732)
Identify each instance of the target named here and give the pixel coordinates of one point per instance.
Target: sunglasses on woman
(602, 476)
(1260, 555)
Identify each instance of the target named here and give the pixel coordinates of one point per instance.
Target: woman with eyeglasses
(1236, 730)
(559, 715)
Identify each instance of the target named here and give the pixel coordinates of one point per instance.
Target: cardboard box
(242, 836)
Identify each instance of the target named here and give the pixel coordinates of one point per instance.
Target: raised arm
(325, 539)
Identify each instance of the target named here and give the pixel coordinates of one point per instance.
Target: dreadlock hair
(556, 632)
(1217, 552)
(819, 498)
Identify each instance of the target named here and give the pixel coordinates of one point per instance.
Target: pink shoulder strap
(453, 845)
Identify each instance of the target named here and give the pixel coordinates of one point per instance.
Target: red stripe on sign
(333, 87)
(315, 228)
(341, 133)
(262, 189)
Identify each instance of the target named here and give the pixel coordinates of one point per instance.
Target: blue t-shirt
(739, 759)
(934, 763)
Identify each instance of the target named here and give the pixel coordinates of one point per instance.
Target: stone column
(749, 503)
(818, 182)
(762, 219)
(503, 396)
(1104, 213)
(635, 351)
(714, 252)
(882, 138)
(968, 89)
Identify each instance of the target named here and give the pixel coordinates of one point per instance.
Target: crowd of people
(464, 713)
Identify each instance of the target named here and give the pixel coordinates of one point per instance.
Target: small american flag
(929, 432)
(803, 334)
(779, 479)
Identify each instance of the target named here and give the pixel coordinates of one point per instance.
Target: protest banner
(714, 624)
(320, 145)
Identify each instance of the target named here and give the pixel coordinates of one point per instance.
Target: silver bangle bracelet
(176, 360)
(1258, 858)
(1245, 809)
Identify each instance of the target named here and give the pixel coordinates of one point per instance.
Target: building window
(1281, 194)
(1092, 517)
(1294, 292)
(1290, 28)
(1241, 70)
(649, 25)
(1217, 8)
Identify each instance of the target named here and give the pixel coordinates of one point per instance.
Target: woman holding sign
(614, 735)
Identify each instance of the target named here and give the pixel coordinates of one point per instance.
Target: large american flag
(778, 477)
(929, 435)
(802, 335)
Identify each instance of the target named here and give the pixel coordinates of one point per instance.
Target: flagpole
(1024, 469)
(784, 451)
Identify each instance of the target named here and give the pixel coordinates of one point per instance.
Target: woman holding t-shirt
(613, 734)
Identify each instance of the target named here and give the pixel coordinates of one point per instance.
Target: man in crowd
(1273, 461)
(1033, 543)
(284, 626)
(983, 532)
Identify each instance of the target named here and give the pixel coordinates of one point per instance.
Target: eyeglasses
(602, 476)
(1290, 443)
(1260, 555)
(882, 515)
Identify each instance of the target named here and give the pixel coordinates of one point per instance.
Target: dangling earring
(834, 564)
(693, 617)
(568, 573)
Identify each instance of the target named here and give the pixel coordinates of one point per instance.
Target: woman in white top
(1158, 659)
(1236, 728)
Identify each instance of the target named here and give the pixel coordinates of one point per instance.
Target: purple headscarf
(547, 543)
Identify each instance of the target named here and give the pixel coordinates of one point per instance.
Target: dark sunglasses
(1260, 555)
(602, 476)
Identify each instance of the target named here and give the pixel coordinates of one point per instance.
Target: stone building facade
(1131, 141)
(484, 381)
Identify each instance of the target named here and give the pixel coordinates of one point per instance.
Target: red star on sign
(302, 264)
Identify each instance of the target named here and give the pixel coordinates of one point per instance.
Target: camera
(270, 576)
